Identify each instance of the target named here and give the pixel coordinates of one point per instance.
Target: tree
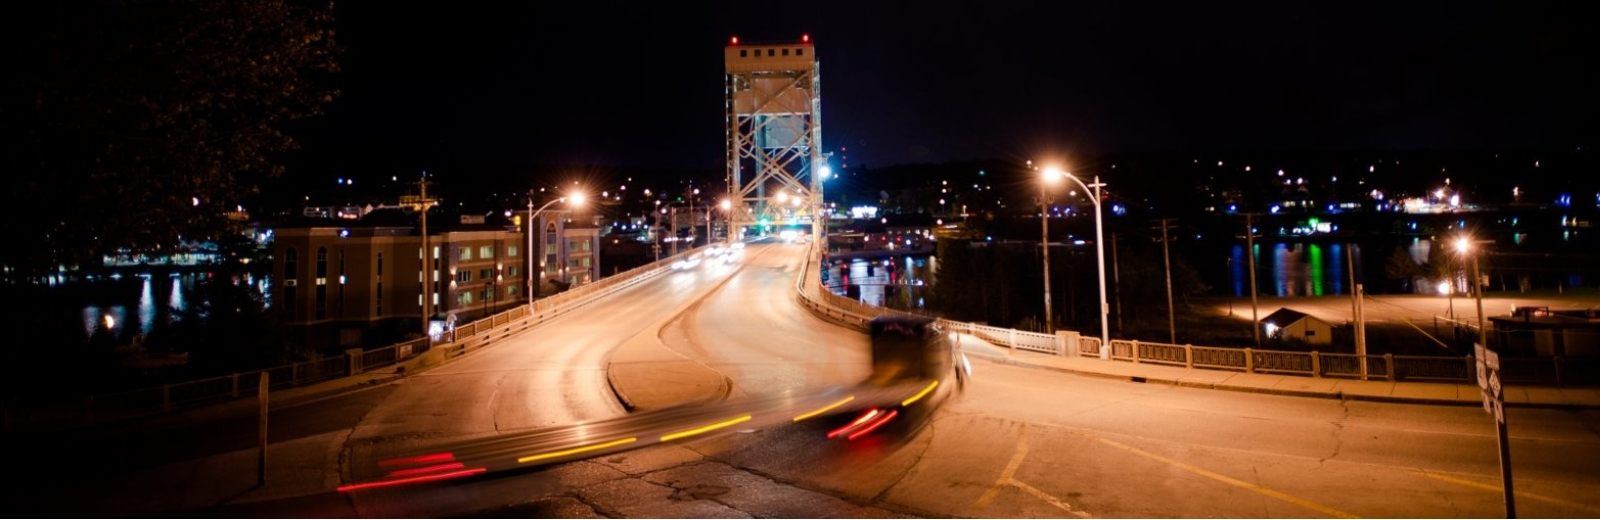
(1401, 268)
(137, 124)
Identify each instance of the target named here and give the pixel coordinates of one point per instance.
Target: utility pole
(1250, 255)
(672, 218)
(421, 203)
(261, 437)
(1356, 310)
(1116, 281)
(1166, 259)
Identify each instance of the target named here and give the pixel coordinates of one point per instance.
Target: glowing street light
(575, 200)
(1050, 176)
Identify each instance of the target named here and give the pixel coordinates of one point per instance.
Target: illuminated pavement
(1017, 442)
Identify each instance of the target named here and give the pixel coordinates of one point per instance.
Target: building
(568, 250)
(1539, 331)
(1294, 326)
(482, 267)
(350, 284)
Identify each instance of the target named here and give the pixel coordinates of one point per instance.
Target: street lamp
(576, 199)
(1050, 174)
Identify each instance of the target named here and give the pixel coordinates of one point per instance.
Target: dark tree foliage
(136, 124)
(1401, 269)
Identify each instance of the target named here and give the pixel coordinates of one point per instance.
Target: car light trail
(703, 429)
(413, 480)
(920, 395)
(575, 451)
(426, 469)
(853, 424)
(874, 425)
(423, 459)
(824, 409)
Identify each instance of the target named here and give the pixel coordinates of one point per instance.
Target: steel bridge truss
(774, 132)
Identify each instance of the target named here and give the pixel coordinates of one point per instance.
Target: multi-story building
(568, 249)
(351, 284)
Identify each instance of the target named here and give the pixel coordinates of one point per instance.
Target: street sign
(1488, 365)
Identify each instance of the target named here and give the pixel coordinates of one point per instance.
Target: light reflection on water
(113, 298)
(894, 281)
(1295, 269)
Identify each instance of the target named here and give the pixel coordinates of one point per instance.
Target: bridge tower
(774, 135)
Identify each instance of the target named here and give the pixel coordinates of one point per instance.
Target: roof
(1285, 316)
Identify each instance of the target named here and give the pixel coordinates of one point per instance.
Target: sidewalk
(1301, 386)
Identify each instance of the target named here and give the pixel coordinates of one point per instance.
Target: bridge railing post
(1249, 361)
(1316, 364)
(1188, 356)
(1133, 350)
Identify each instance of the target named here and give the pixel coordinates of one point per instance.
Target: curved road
(1016, 442)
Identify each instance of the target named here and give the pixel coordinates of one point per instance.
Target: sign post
(1488, 362)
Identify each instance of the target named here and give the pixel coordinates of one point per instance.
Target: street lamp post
(528, 277)
(1050, 176)
(1100, 253)
(1464, 246)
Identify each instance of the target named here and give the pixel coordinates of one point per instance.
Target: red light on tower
(805, 38)
(733, 41)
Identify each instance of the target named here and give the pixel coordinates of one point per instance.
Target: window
(322, 301)
(511, 290)
(550, 238)
(463, 276)
(288, 294)
(772, 52)
(291, 265)
(465, 254)
(550, 264)
(465, 298)
(786, 52)
(800, 52)
(485, 252)
(744, 53)
(511, 272)
(380, 264)
(486, 294)
(485, 274)
(322, 263)
(511, 251)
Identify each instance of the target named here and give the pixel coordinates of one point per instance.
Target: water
(120, 307)
(1295, 269)
(896, 281)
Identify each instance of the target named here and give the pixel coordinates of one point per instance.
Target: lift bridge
(774, 133)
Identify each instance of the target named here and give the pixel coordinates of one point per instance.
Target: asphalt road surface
(1014, 442)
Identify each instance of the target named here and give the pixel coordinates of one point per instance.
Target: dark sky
(492, 87)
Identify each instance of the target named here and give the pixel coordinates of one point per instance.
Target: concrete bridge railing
(100, 408)
(1558, 371)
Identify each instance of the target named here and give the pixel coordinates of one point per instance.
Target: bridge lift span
(774, 135)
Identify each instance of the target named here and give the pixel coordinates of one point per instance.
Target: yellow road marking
(1498, 489)
(1008, 478)
(1326, 510)
(824, 409)
(575, 451)
(706, 428)
(920, 395)
(1010, 471)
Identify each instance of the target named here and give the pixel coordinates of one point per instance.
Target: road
(1016, 442)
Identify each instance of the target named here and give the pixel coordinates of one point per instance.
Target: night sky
(487, 90)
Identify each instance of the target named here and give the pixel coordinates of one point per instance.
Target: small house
(1291, 325)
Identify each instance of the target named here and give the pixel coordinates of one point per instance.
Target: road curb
(1338, 395)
